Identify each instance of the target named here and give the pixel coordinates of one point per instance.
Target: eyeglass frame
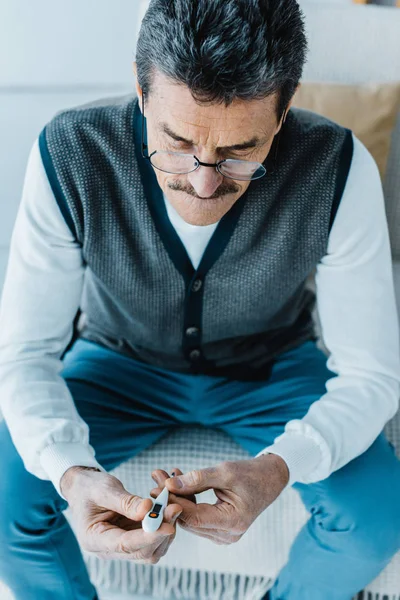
(202, 164)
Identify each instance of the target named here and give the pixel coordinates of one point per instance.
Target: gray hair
(224, 50)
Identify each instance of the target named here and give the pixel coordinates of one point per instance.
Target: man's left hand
(244, 488)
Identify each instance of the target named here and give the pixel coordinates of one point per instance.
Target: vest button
(195, 355)
(192, 331)
(197, 285)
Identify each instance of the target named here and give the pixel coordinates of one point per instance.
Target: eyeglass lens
(177, 163)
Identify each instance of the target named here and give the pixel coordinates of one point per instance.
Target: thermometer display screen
(157, 508)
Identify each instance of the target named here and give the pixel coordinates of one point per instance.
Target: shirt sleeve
(40, 299)
(360, 329)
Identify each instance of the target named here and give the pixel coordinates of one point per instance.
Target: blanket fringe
(377, 596)
(167, 583)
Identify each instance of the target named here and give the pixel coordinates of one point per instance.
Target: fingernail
(178, 482)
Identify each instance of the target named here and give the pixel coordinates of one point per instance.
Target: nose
(205, 180)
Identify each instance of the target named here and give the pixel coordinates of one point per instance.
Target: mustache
(223, 190)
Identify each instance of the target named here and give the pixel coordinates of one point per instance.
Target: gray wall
(54, 55)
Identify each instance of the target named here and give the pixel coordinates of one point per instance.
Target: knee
(377, 540)
(376, 509)
(359, 505)
(370, 530)
(376, 534)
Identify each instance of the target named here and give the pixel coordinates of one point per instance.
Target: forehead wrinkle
(195, 124)
(239, 116)
(221, 144)
(209, 132)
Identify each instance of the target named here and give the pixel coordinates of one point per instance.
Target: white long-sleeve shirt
(356, 305)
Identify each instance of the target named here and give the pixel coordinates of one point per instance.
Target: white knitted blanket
(194, 567)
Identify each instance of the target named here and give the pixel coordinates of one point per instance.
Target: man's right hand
(108, 518)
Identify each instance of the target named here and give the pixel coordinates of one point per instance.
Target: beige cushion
(369, 110)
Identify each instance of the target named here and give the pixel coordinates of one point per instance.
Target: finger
(121, 521)
(208, 516)
(205, 533)
(115, 497)
(156, 491)
(148, 553)
(160, 476)
(175, 472)
(103, 536)
(181, 500)
(162, 548)
(223, 536)
(171, 512)
(171, 516)
(195, 482)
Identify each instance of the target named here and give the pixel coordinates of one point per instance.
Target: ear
(291, 102)
(139, 90)
(281, 122)
(287, 110)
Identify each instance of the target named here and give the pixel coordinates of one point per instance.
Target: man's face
(204, 196)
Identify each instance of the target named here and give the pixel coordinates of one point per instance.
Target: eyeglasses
(177, 163)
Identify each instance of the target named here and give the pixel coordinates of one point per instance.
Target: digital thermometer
(154, 517)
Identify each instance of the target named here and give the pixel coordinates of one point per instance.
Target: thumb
(195, 482)
(118, 499)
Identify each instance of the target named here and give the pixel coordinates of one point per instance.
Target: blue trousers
(354, 527)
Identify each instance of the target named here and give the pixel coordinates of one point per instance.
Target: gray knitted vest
(248, 301)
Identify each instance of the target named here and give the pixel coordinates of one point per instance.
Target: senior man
(190, 215)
